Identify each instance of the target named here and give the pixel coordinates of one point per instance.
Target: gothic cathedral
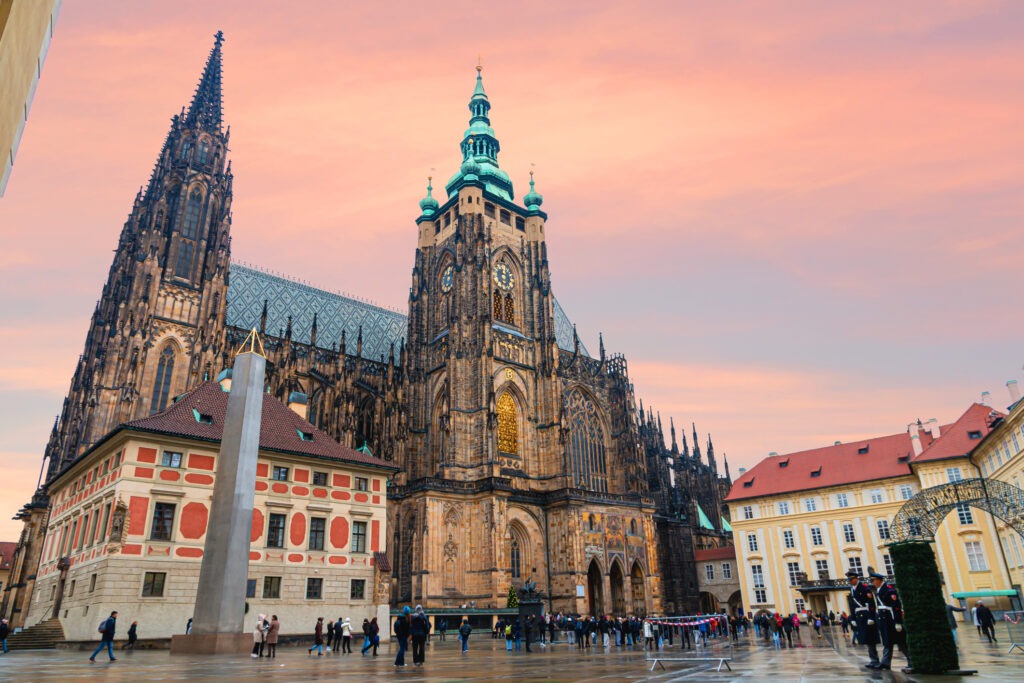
(522, 456)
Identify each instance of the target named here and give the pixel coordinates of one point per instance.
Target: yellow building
(802, 520)
(26, 27)
(129, 517)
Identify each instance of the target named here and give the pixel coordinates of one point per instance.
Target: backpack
(508, 630)
(102, 626)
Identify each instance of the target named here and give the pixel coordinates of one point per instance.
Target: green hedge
(929, 640)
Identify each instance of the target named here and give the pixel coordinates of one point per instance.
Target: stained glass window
(510, 310)
(508, 425)
(184, 267)
(497, 306)
(586, 444)
(192, 211)
(162, 386)
(515, 560)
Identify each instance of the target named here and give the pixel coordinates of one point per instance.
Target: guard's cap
(852, 574)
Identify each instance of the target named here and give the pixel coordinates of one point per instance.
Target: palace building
(520, 454)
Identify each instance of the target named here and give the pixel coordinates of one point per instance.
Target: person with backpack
(401, 630)
(464, 632)
(107, 629)
(133, 636)
(367, 638)
(508, 637)
(419, 629)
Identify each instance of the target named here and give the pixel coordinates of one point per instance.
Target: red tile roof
(708, 554)
(279, 428)
(7, 549)
(885, 457)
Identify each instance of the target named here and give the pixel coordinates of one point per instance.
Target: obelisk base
(211, 644)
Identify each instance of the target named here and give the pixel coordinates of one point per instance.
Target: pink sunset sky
(800, 225)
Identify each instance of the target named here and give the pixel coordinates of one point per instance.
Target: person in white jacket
(648, 635)
(974, 618)
(346, 636)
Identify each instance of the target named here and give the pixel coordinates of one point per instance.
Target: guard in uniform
(890, 616)
(862, 607)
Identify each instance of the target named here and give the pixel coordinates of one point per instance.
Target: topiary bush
(930, 642)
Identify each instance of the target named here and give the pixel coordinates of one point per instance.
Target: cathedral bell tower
(482, 349)
(158, 328)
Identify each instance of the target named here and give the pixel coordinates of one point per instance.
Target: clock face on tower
(447, 278)
(503, 276)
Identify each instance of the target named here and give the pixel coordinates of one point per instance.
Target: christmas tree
(513, 598)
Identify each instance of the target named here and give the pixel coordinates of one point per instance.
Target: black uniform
(890, 614)
(862, 607)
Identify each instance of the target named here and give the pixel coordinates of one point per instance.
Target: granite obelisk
(220, 599)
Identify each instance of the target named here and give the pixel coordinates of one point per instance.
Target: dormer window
(784, 463)
(748, 483)
(816, 473)
(974, 434)
(863, 449)
(305, 436)
(202, 418)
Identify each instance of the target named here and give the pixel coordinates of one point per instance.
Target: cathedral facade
(522, 455)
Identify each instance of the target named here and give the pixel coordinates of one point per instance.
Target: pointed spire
(312, 332)
(288, 329)
(696, 443)
(428, 205)
(600, 338)
(205, 110)
(661, 433)
(480, 149)
(686, 447)
(728, 476)
(711, 455)
(533, 199)
(263, 318)
(359, 342)
(672, 430)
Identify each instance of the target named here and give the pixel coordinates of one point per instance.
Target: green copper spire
(533, 199)
(480, 149)
(428, 204)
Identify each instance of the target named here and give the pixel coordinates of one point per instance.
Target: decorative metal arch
(920, 517)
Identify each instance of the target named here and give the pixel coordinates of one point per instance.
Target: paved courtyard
(828, 659)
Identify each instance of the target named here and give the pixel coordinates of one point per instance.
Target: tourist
(336, 636)
(374, 635)
(517, 634)
(817, 626)
(272, 632)
(788, 625)
(986, 621)
(318, 638)
(648, 635)
(259, 636)
(844, 623)
(952, 619)
(401, 631)
(133, 635)
(442, 627)
(107, 628)
(464, 632)
(188, 627)
(528, 631)
(5, 630)
(551, 629)
(346, 636)
(974, 617)
(367, 638)
(419, 629)
(508, 637)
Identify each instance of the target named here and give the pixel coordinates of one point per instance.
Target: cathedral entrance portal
(595, 589)
(618, 590)
(639, 594)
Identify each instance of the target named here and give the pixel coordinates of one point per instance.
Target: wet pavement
(830, 658)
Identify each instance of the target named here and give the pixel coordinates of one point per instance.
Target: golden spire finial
(253, 344)
(479, 64)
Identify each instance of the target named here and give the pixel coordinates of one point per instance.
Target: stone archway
(617, 583)
(920, 517)
(639, 590)
(595, 589)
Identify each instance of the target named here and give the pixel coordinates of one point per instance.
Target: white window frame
(964, 514)
(849, 533)
(726, 570)
(906, 491)
(884, 532)
(976, 556)
(752, 545)
(783, 507)
(817, 538)
(709, 571)
(810, 505)
(842, 500)
(954, 474)
(748, 512)
(877, 496)
(788, 540)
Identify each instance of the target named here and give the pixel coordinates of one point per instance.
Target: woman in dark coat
(133, 635)
(402, 635)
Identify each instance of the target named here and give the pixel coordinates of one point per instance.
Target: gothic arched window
(192, 211)
(203, 151)
(515, 559)
(510, 310)
(508, 424)
(162, 385)
(587, 461)
(498, 311)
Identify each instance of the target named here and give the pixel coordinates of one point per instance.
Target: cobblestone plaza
(828, 659)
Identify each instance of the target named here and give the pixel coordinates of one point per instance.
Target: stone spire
(696, 443)
(205, 110)
(672, 430)
(711, 456)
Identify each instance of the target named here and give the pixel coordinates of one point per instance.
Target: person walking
(419, 629)
(367, 638)
(259, 636)
(952, 619)
(787, 628)
(5, 631)
(272, 633)
(336, 636)
(464, 632)
(442, 627)
(107, 628)
(508, 637)
(318, 638)
(133, 635)
(401, 630)
(188, 627)
(974, 618)
(987, 622)
(346, 636)
(862, 605)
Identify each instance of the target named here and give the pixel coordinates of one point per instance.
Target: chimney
(298, 402)
(1014, 390)
(914, 429)
(934, 428)
(986, 398)
(224, 380)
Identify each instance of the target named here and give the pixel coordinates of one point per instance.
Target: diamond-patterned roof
(248, 288)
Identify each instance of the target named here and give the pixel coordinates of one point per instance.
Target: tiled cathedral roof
(248, 288)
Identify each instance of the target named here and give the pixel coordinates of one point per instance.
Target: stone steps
(43, 636)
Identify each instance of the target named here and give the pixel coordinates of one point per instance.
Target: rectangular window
(810, 505)
(784, 508)
(71, 588)
(250, 588)
(848, 534)
(726, 570)
(520, 223)
(1016, 442)
(855, 565)
(752, 543)
(760, 596)
(963, 512)
(358, 589)
(106, 520)
(92, 583)
(953, 474)
(976, 556)
(748, 512)
(887, 563)
(842, 501)
(317, 525)
(800, 605)
(359, 537)
(505, 217)
(787, 539)
(319, 479)
(489, 209)
(816, 536)
(314, 588)
(275, 531)
(170, 459)
(877, 496)
(793, 569)
(362, 484)
(271, 587)
(758, 575)
(709, 572)
(153, 584)
(821, 566)
(883, 530)
(280, 473)
(162, 528)
(448, 219)
(906, 491)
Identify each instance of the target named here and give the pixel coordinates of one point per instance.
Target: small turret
(428, 205)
